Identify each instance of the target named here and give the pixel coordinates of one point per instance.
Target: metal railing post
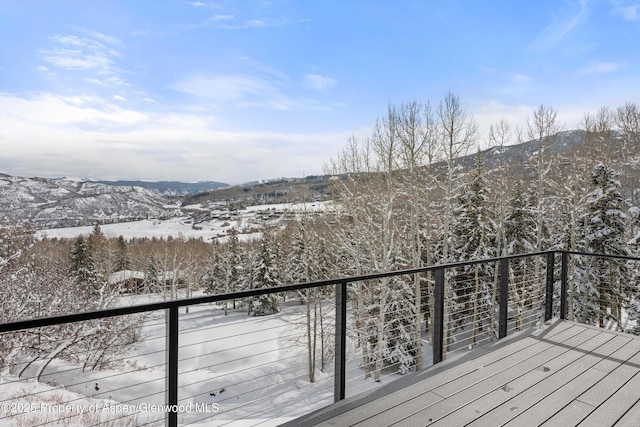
(504, 298)
(563, 286)
(172, 365)
(339, 377)
(438, 315)
(548, 304)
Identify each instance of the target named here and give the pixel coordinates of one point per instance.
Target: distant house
(129, 281)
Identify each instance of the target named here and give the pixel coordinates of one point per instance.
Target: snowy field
(217, 224)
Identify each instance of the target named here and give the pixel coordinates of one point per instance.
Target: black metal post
(563, 286)
(504, 298)
(340, 375)
(548, 304)
(438, 316)
(172, 365)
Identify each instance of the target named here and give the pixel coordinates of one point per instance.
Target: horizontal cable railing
(189, 361)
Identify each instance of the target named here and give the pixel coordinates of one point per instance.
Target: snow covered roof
(124, 275)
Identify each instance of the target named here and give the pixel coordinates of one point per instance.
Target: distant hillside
(64, 202)
(561, 143)
(281, 190)
(170, 187)
(315, 188)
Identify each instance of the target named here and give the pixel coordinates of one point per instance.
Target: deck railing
(461, 306)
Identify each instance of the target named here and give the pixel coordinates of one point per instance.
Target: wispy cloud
(597, 68)
(221, 17)
(95, 52)
(247, 90)
(562, 23)
(227, 88)
(255, 23)
(201, 4)
(318, 82)
(521, 78)
(629, 11)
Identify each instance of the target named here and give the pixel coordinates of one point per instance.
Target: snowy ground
(234, 370)
(248, 222)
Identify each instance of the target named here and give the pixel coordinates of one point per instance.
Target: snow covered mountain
(67, 202)
(170, 188)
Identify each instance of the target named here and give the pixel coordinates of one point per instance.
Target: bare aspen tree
(457, 133)
(599, 134)
(418, 147)
(500, 135)
(352, 169)
(386, 147)
(542, 127)
(627, 120)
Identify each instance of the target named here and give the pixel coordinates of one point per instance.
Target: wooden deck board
(632, 417)
(566, 374)
(616, 368)
(419, 392)
(521, 378)
(617, 405)
(519, 396)
(558, 390)
(496, 371)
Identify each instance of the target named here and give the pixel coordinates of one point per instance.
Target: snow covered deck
(564, 374)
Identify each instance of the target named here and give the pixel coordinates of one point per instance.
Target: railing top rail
(623, 257)
(143, 308)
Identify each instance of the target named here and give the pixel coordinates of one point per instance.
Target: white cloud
(629, 12)
(521, 78)
(562, 23)
(76, 53)
(597, 68)
(103, 37)
(119, 98)
(243, 90)
(318, 82)
(94, 81)
(209, 4)
(51, 135)
(220, 17)
(255, 23)
(226, 88)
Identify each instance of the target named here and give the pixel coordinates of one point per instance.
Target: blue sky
(235, 91)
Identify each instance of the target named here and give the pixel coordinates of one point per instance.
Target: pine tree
(82, 263)
(265, 275)
(151, 277)
(606, 282)
(520, 234)
(222, 274)
(123, 260)
(400, 347)
(215, 271)
(474, 233)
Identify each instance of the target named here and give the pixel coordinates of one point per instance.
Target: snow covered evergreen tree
(604, 284)
(214, 276)
(223, 272)
(123, 260)
(520, 233)
(82, 263)
(265, 275)
(474, 237)
(151, 276)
